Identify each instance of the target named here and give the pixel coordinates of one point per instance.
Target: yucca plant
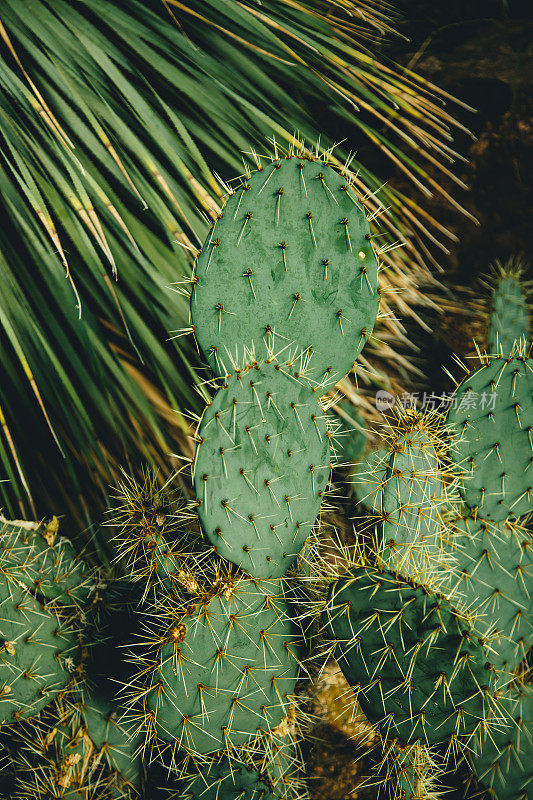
(115, 121)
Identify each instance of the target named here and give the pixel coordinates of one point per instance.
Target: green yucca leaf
(114, 122)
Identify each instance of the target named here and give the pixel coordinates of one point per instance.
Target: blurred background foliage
(116, 121)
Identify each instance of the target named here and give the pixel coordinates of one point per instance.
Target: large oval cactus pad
(261, 468)
(289, 262)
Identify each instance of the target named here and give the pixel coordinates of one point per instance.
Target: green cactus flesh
(409, 518)
(48, 565)
(417, 665)
(493, 417)
(493, 578)
(37, 651)
(226, 669)
(290, 261)
(222, 781)
(503, 763)
(508, 318)
(368, 479)
(111, 735)
(71, 752)
(350, 438)
(261, 468)
(415, 774)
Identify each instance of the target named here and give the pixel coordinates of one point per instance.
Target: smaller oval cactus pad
(493, 417)
(37, 653)
(261, 467)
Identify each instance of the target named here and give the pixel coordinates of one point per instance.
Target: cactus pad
(223, 781)
(409, 520)
(493, 576)
(350, 438)
(419, 669)
(113, 737)
(508, 318)
(69, 754)
(503, 763)
(36, 653)
(368, 480)
(493, 416)
(290, 261)
(47, 564)
(261, 468)
(226, 668)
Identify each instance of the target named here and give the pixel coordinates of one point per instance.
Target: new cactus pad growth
(419, 668)
(508, 322)
(410, 501)
(493, 417)
(261, 467)
(225, 668)
(288, 262)
(37, 653)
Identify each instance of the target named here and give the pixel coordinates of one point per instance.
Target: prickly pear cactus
(493, 417)
(225, 668)
(503, 762)
(411, 498)
(36, 555)
(418, 665)
(288, 262)
(508, 322)
(369, 478)
(113, 737)
(222, 780)
(350, 436)
(155, 545)
(493, 576)
(38, 653)
(261, 467)
(77, 750)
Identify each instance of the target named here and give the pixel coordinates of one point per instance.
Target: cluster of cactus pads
(431, 621)
(182, 674)
(181, 678)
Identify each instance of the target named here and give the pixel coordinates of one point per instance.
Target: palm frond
(114, 122)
